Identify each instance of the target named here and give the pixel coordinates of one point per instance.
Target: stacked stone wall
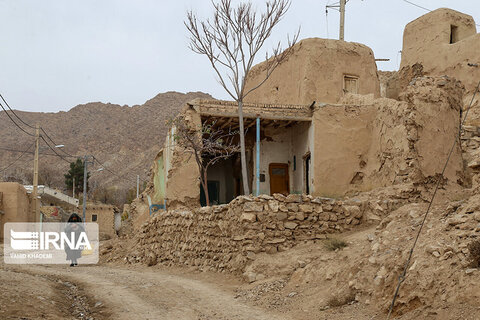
(226, 237)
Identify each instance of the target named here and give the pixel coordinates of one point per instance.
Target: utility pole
(342, 19)
(340, 7)
(35, 173)
(138, 185)
(85, 177)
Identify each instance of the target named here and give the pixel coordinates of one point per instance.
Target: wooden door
(279, 182)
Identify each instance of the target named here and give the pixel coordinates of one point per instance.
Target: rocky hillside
(124, 138)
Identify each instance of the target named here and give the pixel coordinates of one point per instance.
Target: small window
(453, 34)
(94, 217)
(350, 84)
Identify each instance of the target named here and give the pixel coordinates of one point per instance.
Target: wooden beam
(227, 123)
(301, 117)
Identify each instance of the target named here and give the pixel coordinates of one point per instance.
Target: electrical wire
(32, 127)
(31, 135)
(55, 153)
(8, 106)
(416, 5)
(53, 149)
(55, 144)
(21, 155)
(112, 172)
(419, 6)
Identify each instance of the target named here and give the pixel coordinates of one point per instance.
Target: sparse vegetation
(474, 248)
(333, 244)
(340, 300)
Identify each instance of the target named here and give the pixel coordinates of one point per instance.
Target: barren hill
(124, 138)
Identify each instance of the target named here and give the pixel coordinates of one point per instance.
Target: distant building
(104, 215)
(16, 205)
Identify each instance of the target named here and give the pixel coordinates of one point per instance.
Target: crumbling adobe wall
(314, 72)
(17, 205)
(384, 141)
(427, 42)
(182, 179)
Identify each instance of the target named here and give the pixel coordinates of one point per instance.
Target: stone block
(290, 225)
(273, 204)
(307, 208)
(253, 207)
(292, 207)
(248, 216)
(324, 216)
(281, 216)
(294, 198)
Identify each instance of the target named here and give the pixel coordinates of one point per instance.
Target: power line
(30, 126)
(419, 6)
(416, 5)
(53, 149)
(31, 135)
(401, 278)
(30, 152)
(49, 138)
(55, 144)
(114, 173)
(23, 153)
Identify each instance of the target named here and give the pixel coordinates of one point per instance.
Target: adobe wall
(16, 205)
(367, 143)
(314, 72)
(426, 42)
(105, 218)
(182, 174)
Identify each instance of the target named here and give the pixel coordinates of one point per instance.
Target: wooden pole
(35, 174)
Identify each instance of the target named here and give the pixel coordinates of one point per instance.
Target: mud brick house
(104, 215)
(16, 205)
(321, 130)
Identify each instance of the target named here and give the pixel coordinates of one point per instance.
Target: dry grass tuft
(334, 244)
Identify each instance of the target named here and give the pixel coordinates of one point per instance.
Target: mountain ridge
(124, 138)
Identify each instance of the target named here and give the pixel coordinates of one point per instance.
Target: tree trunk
(246, 188)
(205, 188)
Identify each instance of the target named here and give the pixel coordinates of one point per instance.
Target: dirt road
(111, 292)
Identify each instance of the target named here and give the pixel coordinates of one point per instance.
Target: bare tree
(208, 144)
(231, 41)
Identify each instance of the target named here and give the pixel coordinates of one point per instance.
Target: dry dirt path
(111, 292)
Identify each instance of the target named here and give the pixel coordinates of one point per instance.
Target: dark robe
(74, 225)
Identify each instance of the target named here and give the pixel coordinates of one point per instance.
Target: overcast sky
(55, 54)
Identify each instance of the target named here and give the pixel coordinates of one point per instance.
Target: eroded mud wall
(315, 72)
(367, 143)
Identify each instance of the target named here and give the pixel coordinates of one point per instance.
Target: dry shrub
(474, 248)
(334, 244)
(341, 300)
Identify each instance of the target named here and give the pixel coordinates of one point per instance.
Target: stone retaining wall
(226, 237)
